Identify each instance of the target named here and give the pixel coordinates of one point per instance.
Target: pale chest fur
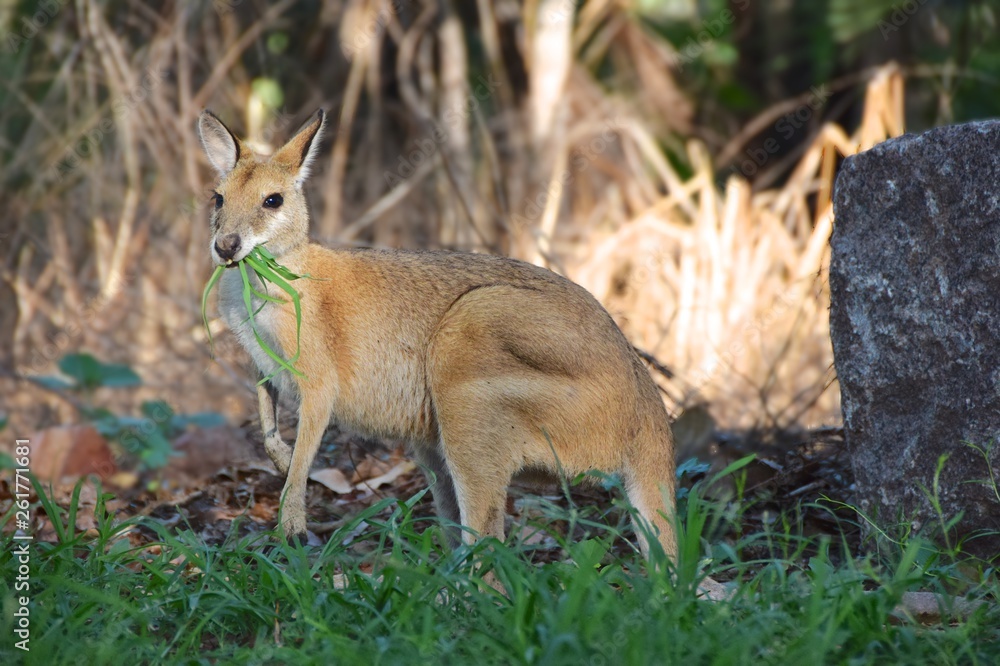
(370, 362)
(233, 309)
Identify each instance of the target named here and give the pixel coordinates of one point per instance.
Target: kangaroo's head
(259, 200)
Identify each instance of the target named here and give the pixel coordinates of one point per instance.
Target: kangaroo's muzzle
(227, 246)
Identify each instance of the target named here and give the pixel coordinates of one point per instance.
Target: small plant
(148, 436)
(145, 437)
(83, 374)
(986, 452)
(689, 470)
(268, 270)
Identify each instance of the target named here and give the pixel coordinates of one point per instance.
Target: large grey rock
(915, 322)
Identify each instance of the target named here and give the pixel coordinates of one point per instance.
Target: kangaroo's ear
(300, 151)
(221, 146)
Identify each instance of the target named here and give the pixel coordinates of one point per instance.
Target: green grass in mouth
(268, 270)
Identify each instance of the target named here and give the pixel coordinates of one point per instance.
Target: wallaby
(488, 366)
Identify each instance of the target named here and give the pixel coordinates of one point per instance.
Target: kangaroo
(490, 367)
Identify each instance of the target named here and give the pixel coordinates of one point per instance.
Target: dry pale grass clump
(730, 288)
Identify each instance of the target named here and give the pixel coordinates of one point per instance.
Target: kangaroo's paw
(279, 452)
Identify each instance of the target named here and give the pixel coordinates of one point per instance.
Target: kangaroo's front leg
(314, 415)
(279, 452)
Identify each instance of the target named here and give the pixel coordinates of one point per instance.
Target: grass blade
(204, 305)
(265, 273)
(268, 270)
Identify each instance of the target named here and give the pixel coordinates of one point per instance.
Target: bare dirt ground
(221, 484)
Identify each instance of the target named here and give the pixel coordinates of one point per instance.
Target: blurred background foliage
(674, 156)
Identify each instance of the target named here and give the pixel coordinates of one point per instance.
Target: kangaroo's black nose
(227, 246)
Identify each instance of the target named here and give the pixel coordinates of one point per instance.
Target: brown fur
(490, 367)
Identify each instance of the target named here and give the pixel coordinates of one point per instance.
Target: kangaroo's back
(374, 314)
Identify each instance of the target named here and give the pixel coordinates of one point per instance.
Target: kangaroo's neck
(290, 249)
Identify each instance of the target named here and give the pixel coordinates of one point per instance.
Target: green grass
(267, 271)
(410, 599)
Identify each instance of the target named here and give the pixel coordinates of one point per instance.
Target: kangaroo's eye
(273, 201)
(218, 200)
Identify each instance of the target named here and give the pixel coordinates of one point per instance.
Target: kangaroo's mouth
(229, 263)
(234, 261)
(229, 250)
(230, 253)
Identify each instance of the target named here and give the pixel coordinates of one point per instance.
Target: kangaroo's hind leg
(649, 483)
(479, 476)
(442, 487)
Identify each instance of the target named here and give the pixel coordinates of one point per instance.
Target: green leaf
(267, 270)
(265, 297)
(736, 97)
(280, 361)
(277, 42)
(262, 267)
(722, 55)
(848, 19)
(270, 261)
(734, 466)
(265, 273)
(119, 376)
(157, 450)
(204, 305)
(107, 424)
(152, 448)
(157, 410)
(820, 567)
(588, 553)
(57, 383)
(119, 547)
(692, 467)
(268, 90)
(248, 303)
(199, 420)
(132, 423)
(83, 368)
(90, 373)
(264, 252)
